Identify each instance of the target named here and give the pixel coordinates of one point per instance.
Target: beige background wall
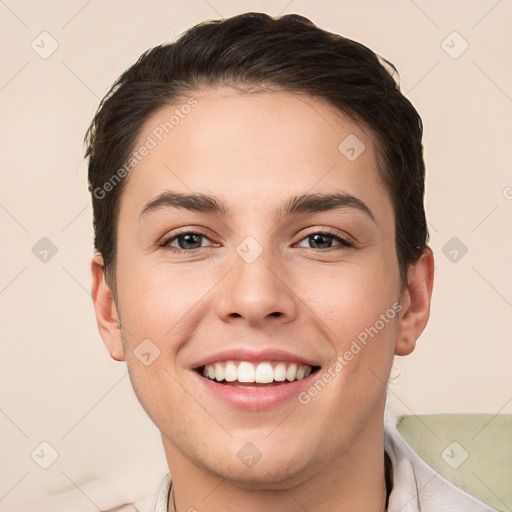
(58, 384)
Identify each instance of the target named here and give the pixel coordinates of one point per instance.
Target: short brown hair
(255, 49)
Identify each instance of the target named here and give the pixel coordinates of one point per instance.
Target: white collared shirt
(416, 486)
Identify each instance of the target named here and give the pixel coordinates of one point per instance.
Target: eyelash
(331, 233)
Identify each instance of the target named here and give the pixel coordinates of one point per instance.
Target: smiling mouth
(245, 374)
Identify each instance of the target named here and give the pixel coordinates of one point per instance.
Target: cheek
(157, 298)
(352, 300)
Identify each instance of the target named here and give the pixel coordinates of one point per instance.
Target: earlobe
(107, 316)
(415, 301)
(404, 346)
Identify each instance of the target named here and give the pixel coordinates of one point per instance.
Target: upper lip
(245, 354)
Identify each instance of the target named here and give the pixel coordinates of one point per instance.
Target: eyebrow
(296, 205)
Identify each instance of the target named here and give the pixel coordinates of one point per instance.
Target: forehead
(254, 148)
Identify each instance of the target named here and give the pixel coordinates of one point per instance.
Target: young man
(261, 258)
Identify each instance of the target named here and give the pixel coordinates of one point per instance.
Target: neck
(352, 480)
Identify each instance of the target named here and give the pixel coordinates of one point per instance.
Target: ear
(105, 309)
(415, 301)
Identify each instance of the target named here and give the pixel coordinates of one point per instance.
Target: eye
(184, 242)
(324, 240)
(189, 241)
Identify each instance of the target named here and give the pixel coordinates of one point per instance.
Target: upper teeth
(245, 371)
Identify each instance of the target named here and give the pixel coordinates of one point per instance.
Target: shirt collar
(163, 495)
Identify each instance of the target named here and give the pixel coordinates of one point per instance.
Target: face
(258, 281)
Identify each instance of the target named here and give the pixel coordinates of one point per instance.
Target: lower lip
(255, 398)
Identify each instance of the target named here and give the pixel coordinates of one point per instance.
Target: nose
(257, 292)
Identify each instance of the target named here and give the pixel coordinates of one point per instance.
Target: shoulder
(418, 487)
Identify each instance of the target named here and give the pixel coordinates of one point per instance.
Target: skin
(254, 151)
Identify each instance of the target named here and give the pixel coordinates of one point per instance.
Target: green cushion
(473, 451)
